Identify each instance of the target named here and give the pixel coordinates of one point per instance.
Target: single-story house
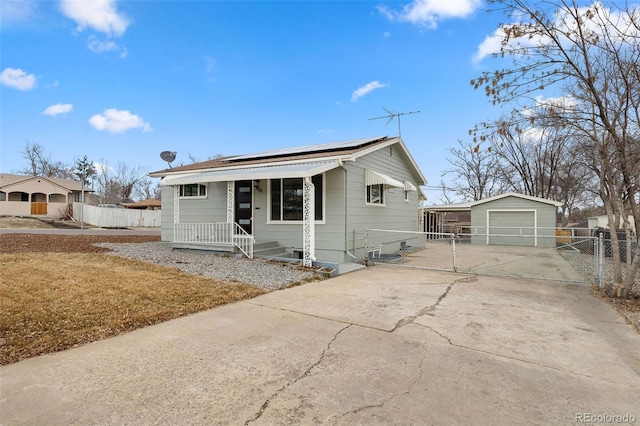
(38, 196)
(310, 202)
(506, 219)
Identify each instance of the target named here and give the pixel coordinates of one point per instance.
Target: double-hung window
(287, 200)
(375, 194)
(193, 190)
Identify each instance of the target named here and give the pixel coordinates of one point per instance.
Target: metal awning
(377, 178)
(297, 170)
(408, 186)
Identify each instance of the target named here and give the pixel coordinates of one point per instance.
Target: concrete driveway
(383, 345)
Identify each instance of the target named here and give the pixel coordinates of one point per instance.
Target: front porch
(243, 200)
(230, 237)
(217, 236)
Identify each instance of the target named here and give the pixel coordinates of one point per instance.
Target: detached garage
(514, 219)
(510, 219)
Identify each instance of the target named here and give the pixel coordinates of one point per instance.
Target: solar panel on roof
(331, 146)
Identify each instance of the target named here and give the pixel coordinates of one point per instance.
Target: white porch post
(308, 221)
(176, 209)
(176, 204)
(230, 201)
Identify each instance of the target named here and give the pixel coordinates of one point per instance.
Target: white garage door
(511, 228)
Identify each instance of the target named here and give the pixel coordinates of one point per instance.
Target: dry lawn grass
(55, 301)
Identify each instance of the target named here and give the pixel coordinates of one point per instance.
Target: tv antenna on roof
(394, 114)
(168, 156)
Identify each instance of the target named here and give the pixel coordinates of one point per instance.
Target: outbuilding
(506, 219)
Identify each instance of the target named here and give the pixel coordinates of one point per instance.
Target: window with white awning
(376, 183)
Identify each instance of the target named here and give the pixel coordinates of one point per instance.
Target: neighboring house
(506, 219)
(148, 204)
(603, 222)
(38, 196)
(312, 202)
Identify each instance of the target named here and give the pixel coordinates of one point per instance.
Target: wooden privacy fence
(106, 217)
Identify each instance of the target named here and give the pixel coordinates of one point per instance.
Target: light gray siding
(340, 236)
(396, 214)
(212, 208)
(513, 221)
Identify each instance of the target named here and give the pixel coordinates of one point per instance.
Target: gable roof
(299, 161)
(467, 206)
(8, 180)
(517, 195)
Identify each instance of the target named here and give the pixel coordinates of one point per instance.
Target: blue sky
(122, 81)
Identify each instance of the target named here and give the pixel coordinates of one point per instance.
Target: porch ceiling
(296, 170)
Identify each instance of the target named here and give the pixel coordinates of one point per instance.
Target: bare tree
(591, 54)
(147, 189)
(195, 160)
(118, 184)
(474, 172)
(40, 163)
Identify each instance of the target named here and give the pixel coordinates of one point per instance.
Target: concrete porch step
(270, 249)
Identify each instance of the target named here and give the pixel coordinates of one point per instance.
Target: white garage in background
(514, 219)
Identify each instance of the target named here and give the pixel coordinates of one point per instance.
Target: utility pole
(84, 169)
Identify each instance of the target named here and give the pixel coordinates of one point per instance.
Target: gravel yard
(268, 275)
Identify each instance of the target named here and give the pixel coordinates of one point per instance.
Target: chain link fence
(569, 255)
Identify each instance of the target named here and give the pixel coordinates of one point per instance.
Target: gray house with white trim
(310, 202)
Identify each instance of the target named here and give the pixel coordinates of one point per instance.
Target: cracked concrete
(296, 380)
(378, 346)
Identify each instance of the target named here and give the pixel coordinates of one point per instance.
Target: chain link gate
(572, 258)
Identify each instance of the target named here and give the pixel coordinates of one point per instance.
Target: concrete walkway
(379, 346)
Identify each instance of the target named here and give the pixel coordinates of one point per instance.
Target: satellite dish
(168, 156)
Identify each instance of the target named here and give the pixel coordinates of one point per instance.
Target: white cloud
(361, 91)
(56, 109)
(17, 11)
(99, 15)
(209, 64)
(100, 46)
(17, 79)
(567, 103)
(117, 121)
(429, 12)
(490, 45)
(566, 27)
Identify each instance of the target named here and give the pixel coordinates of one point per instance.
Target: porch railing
(224, 233)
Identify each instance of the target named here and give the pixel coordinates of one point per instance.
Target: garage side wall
(514, 221)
